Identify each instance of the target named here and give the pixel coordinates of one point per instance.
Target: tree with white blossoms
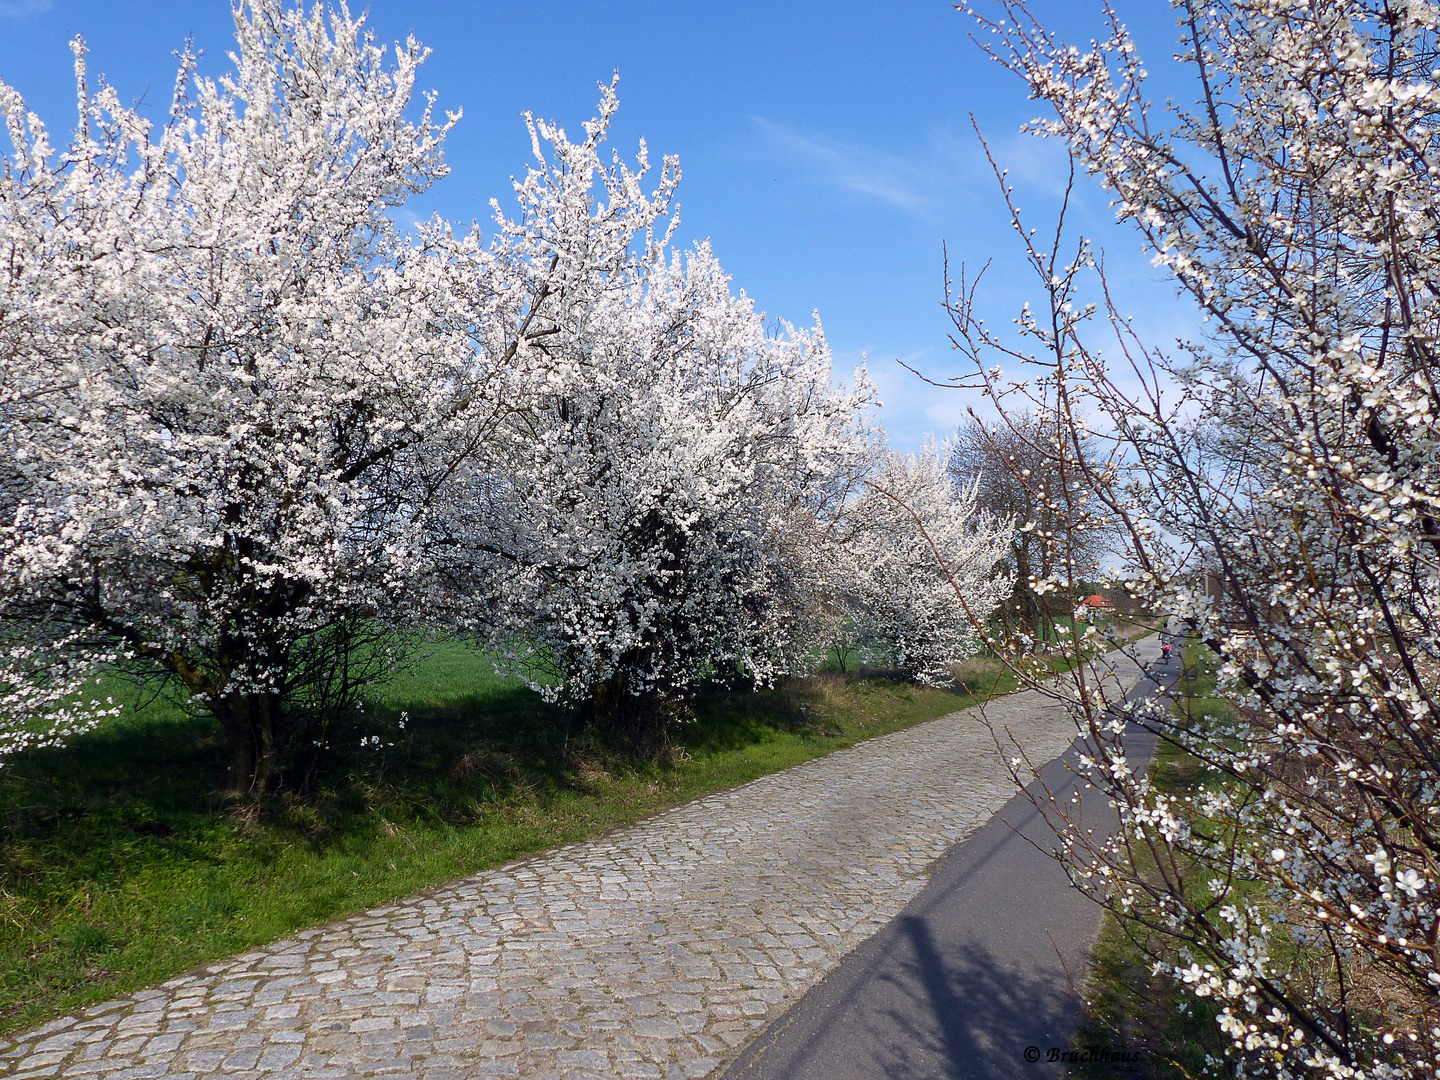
(1278, 489)
(1016, 481)
(231, 387)
(46, 664)
(914, 542)
(630, 535)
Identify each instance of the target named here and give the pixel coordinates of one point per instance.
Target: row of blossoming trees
(253, 436)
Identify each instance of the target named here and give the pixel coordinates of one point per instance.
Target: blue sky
(826, 147)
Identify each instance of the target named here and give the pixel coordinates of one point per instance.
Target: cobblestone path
(655, 951)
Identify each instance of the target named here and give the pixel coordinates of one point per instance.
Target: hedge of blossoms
(222, 461)
(253, 436)
(1280, 490)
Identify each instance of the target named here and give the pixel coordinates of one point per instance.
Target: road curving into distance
(977, 977)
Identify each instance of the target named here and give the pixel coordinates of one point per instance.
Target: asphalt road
(981, 966)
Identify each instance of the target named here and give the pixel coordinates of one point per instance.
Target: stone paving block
(655, 951)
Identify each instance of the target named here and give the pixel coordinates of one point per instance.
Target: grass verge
(1129, 1007)
(122, 865)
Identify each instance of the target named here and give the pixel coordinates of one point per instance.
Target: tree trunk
(644, 717)
(249, 721)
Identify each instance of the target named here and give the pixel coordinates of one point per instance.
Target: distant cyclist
(1165, 650)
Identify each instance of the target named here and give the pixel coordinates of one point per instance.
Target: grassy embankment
(121, 865)
(1127, 1007)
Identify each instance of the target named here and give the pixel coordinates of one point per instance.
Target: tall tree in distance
(1027, 472)
(917, 545)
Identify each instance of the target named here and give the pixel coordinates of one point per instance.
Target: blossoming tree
(230, 382)
(1278, 491)
(917, 544)
(629, 535)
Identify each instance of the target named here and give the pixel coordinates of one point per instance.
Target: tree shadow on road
(969, 1016)
(951, 1012)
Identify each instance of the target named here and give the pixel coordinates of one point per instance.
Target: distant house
(1095, 604)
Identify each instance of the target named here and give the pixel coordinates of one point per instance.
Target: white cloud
(24, 9)
(913, 409)
(907, 183)
(928, 181)
(1042, 165)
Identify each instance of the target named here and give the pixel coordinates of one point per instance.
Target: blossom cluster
(922, 566)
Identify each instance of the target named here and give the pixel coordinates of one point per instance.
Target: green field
(122, 863)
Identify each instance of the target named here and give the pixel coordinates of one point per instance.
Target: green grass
(1128, 1007)
(122, 864)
